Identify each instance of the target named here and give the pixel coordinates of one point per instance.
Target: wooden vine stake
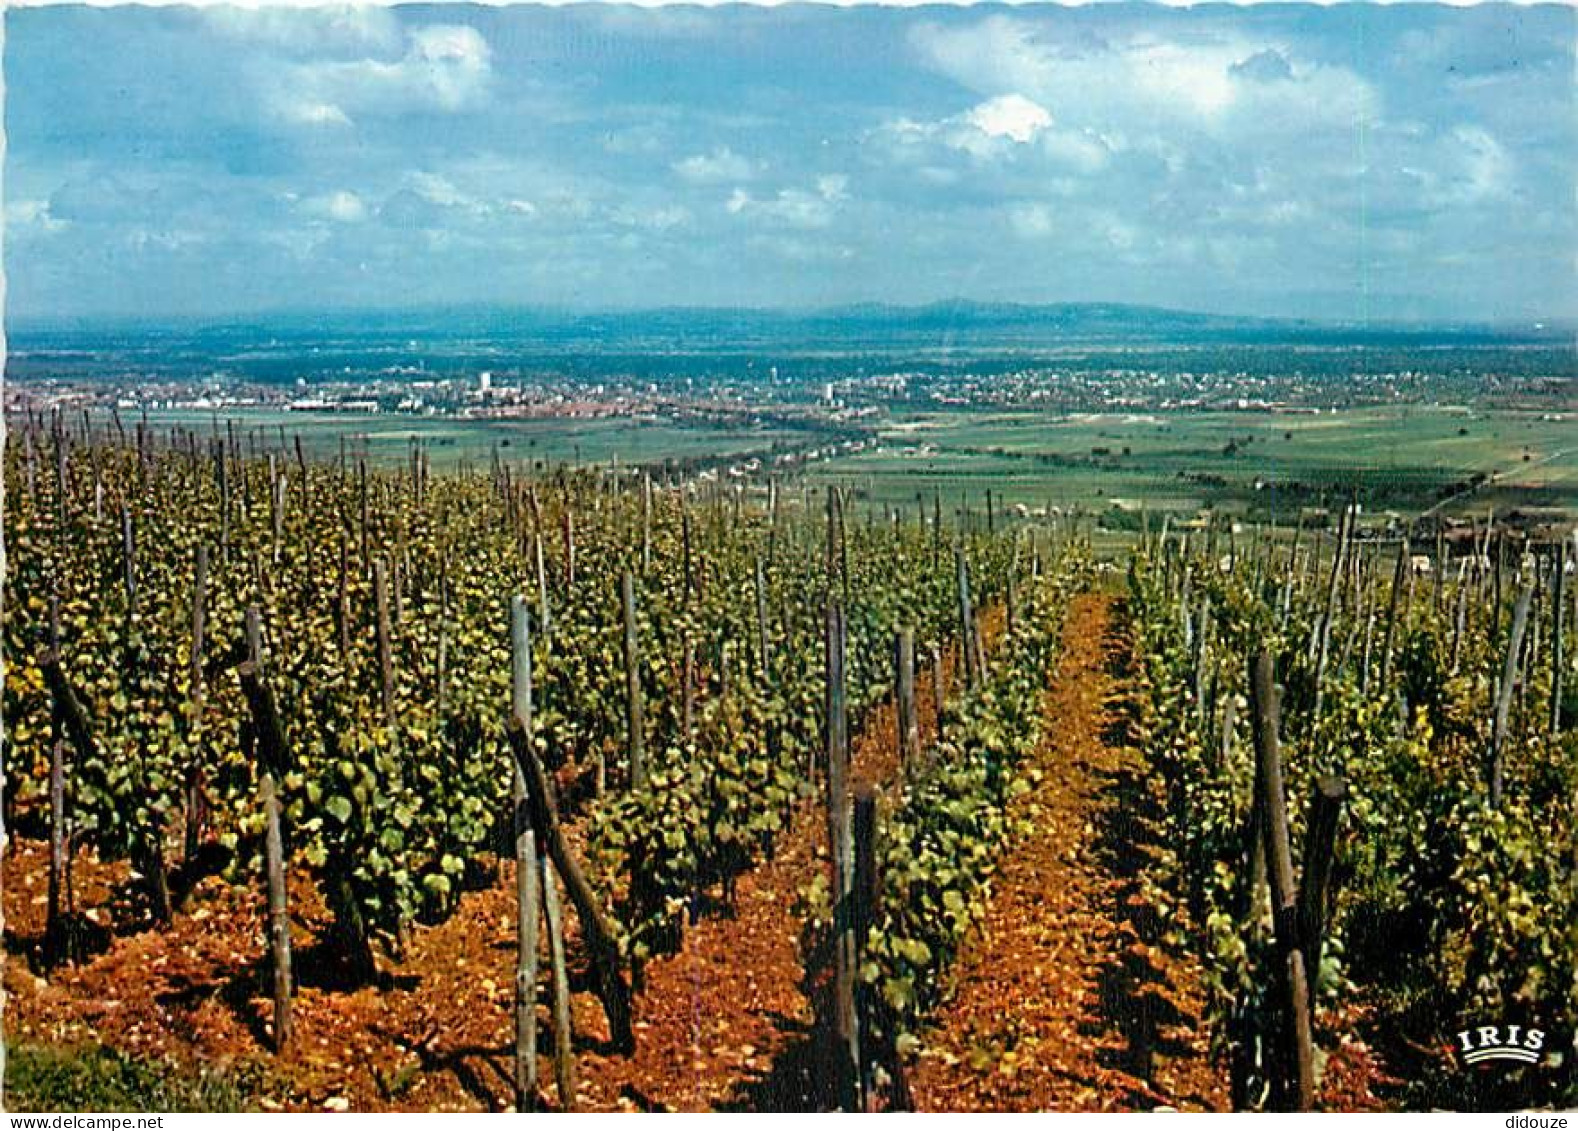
(1315, 879)
(601, 945)
(273, 758)
(635, 714)
(194, 776)
(939, 685)
(908, 716)
(972, 672)
(838, 817)
(58, 938)
(526, 873)
(1558, 606)
(1509, 672)
(386, 676)
(1391, 611)
(1293, 1073)
(863, 914)
(563, 1052)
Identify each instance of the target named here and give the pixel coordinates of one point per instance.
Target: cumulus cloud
(1139, 76)
(444, 67)
(795, 207)
(528, 154)
(1010, 126)
(1010, 115)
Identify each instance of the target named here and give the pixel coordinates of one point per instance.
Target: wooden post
(342, 607)
(385, 649)
(1509, 673)
(1201, 658)
(1460, 621)
(966, 619)
(1496, 565)
(635, 715)
(195, 695)
(1323, 636)
(646, 524)
(936, 526)
(1320, 842)
(569, 546)
(1391, 612)
(763, 652)
(1559, 558)
(939, 689)
(273, 760)
(863, 913)
(1229, 720)
(57, 937)
(276, 506)
(1294, 1078)
(527, 871)
(688, 691)
(543, 623)
(684, 527)
(361, 476)
(904, 695)
(601, 944)
(563, 1054)
(129, 558)
(838, 816)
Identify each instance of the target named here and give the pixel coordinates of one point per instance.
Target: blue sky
(1332, 162)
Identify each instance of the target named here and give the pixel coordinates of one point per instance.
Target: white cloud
(438, 190)
(659, 219)
(722, 164)
(308, 113)
(452, 62)
(1485, 169)
(445, 67)
(1012, 116)
(343, 207)
(795, 207)
(32, 214)
(1009, 126)
(1140, 80)
(331, 29)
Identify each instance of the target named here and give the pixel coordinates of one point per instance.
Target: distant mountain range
(959, 321)
(283, 345)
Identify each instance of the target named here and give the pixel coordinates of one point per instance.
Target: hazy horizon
(389, 317)
(1352, 165)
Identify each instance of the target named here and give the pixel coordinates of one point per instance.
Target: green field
(1257, 464)
(386, 438)
(1254, 463)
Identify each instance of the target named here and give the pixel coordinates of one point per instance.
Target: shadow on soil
(1133, 991)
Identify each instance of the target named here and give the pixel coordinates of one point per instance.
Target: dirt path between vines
(1072, 996)
(725, 1022)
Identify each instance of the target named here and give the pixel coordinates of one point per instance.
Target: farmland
(268, 704)
(1244, 463)
(788, 558)
(400, 734)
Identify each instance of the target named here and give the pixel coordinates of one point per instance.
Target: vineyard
(378, 788)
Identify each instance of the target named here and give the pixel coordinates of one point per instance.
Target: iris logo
(1501, 1042)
